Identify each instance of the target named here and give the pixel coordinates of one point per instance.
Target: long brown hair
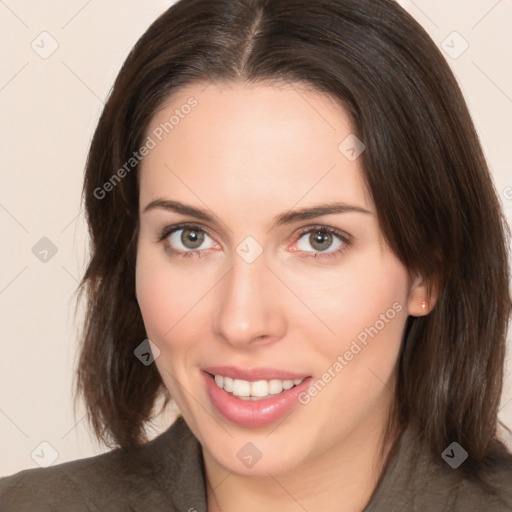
(423, 165)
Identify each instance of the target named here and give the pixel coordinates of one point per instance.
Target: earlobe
(421, 299)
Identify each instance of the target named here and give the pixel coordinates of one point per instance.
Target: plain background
(50, 105)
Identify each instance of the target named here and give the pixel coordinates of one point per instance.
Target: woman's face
(258, 294)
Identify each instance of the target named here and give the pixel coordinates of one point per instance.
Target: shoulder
(491, 489)
(74, 484)
(141, 478)
(417, 480)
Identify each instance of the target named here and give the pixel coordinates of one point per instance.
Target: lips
(253, 374)
(253, 413)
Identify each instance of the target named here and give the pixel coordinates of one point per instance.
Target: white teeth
(241, 387)
(287, 384)
(275, 386)
(254, 390)
(228, 384)
(259, 388)
(254, 398)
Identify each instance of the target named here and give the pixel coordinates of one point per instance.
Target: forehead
(272, 143)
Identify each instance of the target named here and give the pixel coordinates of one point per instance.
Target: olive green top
(166, 475)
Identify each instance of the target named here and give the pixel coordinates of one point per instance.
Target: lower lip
(253, 413)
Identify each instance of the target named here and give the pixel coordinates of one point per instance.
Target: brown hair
(423, 165)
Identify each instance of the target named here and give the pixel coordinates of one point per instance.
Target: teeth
(241, 387)
(275, 387)
(255, 390)
(287, 384)
(228, 384)
(259, 388)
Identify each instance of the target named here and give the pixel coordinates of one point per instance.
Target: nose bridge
(248, 307)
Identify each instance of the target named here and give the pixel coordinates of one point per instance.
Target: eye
(186, 240)
(325, 242)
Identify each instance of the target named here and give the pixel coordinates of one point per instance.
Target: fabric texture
(166, 474)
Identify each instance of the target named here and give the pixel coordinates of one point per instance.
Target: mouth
(253, 398)
(254, 390)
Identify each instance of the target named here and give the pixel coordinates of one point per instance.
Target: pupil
(192, 238)
(321, 240)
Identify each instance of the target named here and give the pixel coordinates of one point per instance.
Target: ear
(422, 297)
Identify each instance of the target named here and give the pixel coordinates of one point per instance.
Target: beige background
(49, 110)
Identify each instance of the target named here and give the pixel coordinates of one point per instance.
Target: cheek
(163, 297)
(153, 295)
(173, 298)
(366, 310)
(161, 293)
(368, 289)
(378, 301)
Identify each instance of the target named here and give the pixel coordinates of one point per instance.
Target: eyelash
(345, 238)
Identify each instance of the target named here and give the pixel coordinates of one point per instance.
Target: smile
(253, 398)
(256, 390)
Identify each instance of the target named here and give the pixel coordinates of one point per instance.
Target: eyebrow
(288, 217)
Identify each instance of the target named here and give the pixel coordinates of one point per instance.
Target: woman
(295, 236)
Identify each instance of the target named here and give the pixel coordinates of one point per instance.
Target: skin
(247, 153)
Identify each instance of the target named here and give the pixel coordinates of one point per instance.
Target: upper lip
(253, 374)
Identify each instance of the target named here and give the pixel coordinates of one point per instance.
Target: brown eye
(187, 239)
(320, 240)
(192, 238)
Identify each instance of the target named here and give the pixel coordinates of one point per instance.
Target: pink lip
(253, 374)
(253, 413)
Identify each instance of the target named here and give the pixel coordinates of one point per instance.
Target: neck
(342, 479)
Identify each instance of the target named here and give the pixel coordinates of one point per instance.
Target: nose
(249, 305)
